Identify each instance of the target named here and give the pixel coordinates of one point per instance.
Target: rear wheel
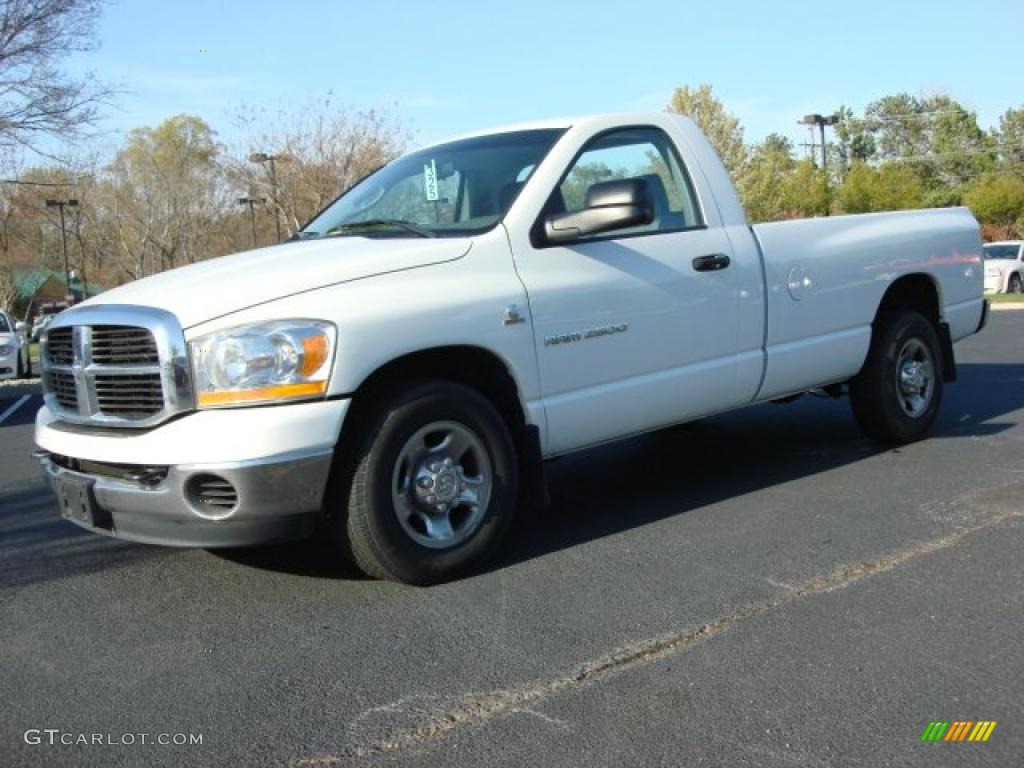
(897, 394)
(28, 363)
(434, 488)
(1015, 285)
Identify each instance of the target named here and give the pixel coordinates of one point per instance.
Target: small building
(43, 291)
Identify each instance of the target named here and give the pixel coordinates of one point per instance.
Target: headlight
(5, 350)
(265, 362)
(993, 272)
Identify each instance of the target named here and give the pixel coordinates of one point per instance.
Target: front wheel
(897, 394)
(435, 486)
(1015, 285)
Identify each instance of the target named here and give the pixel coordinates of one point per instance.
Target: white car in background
(15, 362)
(1004, 267)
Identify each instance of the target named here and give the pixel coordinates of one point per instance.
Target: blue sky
(447, 67)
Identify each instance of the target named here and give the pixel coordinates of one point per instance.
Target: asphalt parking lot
(764, 588)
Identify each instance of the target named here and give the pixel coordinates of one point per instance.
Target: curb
(1000, 307)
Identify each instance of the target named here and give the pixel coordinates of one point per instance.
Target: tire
(28, 362)
(1015, 285)
(897, 394)
(433, 442)
(19, 368)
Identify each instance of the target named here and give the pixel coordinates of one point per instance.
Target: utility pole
(821, 121)
(263, 157)
(252, 202)
(61, 204)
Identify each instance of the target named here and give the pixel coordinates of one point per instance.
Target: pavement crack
(419, 720)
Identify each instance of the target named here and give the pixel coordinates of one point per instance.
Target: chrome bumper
(278, 499)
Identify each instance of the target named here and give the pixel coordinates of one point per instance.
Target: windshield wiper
(408, 226)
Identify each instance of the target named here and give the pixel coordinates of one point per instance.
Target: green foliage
(998, 200)
(720, 126)
(892, 187)
(763, 184)
(1010, 137)
(806, 191)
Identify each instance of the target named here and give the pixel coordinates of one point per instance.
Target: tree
(163, 194)
(936, 133)
(322, 149)
(854, 142)
(721, 127)
(8, 289)
(998, 200)
(806, 191)
(1010, 137)
(892, 187)
(36, 98)
(763, 184)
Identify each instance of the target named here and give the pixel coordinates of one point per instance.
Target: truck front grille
(133, 396)
(62, 385)
(58, 346)
(101, 368)
(119, 344)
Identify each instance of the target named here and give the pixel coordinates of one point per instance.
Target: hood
(1001, 263)
(218, 287)
(8, 338)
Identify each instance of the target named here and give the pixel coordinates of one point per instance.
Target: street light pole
(821, 122)
(60, 204)
(263, 157)
(251, 202)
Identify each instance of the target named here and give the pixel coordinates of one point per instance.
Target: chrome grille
(58, 346)
(62, 385)
(120, 344)
(132, 396)
(116, 365)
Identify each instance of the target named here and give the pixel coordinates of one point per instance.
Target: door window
(634, 153)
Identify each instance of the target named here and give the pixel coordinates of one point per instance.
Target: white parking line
(20, 402)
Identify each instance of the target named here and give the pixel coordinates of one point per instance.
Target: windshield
(1001, 251)
(454, 189)
(4, 327)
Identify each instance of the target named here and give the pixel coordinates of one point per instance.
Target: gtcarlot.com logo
(58, 737)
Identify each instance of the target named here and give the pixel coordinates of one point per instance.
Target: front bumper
(142, 484)
(277, 500)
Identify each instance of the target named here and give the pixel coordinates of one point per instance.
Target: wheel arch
(473, 366)
(922, 293)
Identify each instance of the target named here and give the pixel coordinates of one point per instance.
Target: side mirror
(608, 205)
(20, 326)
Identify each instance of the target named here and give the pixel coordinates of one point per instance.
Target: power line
(20, 182)
(958, 153)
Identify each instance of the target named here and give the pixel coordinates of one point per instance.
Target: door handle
(711, 263)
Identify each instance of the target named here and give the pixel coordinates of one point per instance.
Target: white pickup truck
(395, 375)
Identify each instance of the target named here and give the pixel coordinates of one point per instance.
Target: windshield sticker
(430, 180)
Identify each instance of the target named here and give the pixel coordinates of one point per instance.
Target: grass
(1005, 298)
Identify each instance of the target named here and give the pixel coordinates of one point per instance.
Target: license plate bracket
(77, 502)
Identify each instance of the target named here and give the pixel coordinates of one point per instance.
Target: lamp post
(821, 122)
(252, 202)
(61, 204)
(263, 157)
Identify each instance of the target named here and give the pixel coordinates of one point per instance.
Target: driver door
(630, 336)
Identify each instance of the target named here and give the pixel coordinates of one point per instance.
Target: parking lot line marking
(20, 402)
